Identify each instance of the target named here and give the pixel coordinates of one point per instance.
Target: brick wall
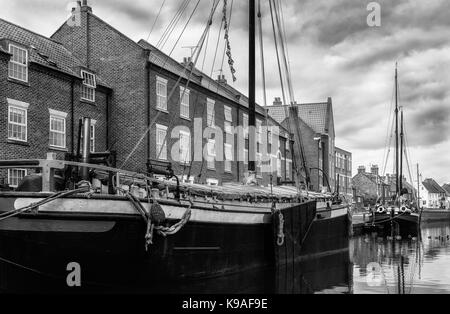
(47, 89)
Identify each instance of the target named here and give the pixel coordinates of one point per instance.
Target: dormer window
(88, 87)
(18, 65)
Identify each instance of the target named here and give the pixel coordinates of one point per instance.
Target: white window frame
(9, 176)
(211, 162)
(279, 164)
(11, 61)
(58, 115)
(87, 86)
(228, 112)
(210, 112)
(227, 161)
(212, 182)
(18, 105)
(245, 156)
(288, 168)
(245, 125)
(161, 98)
(184, 107)
(258, 131)
(186, 154)
(161, 148)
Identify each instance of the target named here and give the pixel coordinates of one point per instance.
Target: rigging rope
(156, 19)
(197, 53)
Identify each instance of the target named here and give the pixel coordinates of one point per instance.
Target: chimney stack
(85, 6)
(361, 169)
(277, 101)
(374, 170)
(221, 79)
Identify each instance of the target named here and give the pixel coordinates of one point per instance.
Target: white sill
(162, 110)
(62, 149)
(185, 118)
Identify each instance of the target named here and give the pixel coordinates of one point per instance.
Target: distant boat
(396, 217)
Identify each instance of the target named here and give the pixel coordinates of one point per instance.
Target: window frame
(184, 92)
(159, 97)
(159, 155)
(86, 85)
(245, 123)
(228, 162)
(58, 115)
(18, 105)
(17, 63)
(210, 105)
(211, 164)
(188, 136)
(9, 176)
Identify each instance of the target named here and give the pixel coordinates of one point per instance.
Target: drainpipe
(72, 119)
(147, 101)
(86, 147)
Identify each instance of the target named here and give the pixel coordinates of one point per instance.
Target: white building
(432, 195)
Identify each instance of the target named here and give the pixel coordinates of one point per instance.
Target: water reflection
(403, 267)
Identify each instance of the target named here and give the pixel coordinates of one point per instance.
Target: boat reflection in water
(402, 267)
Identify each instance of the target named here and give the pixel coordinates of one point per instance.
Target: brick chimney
(277, 101)
(221, 79)
(85, 6)
(361, 169)
(187, 61)
(374, 170)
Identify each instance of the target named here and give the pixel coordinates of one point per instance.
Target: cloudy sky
(333, 53)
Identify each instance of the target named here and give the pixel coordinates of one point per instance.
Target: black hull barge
(201, 242)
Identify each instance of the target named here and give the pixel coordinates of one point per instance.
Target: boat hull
(404, 225)
(36, 251)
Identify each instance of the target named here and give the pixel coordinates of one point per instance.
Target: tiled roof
(315, 115)
(162, 60)
(42, 50)
(446, 187)
(432, 186)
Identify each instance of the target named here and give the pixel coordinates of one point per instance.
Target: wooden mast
(396, 133)
(401, 151)
(251, 89)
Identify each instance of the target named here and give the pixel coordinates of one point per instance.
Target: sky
(333, 52)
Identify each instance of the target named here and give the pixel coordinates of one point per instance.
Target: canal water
(371, 265)
(381, 266)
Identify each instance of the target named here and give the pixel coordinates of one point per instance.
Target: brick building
(44, 91)
(343, 171)
(153, 110)
(316, 125)
(371, 185)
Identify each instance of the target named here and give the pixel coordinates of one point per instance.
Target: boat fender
(381, 210)
(157, 214)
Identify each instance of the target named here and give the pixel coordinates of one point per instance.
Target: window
(15, 176)
(57, 128)
(161, 93)
(279, 158)
(184, 102)
(161, 142)
(210, 112)
(88, 87)
(185, 147)
(18, 64)
(228, 114)
(17, 120)
(228, 157)
(245, 125)
(288, 168)
(258, 163)
(245, 156)
(269, 135)
(211, 154)
(258, 131)
(212, 182)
